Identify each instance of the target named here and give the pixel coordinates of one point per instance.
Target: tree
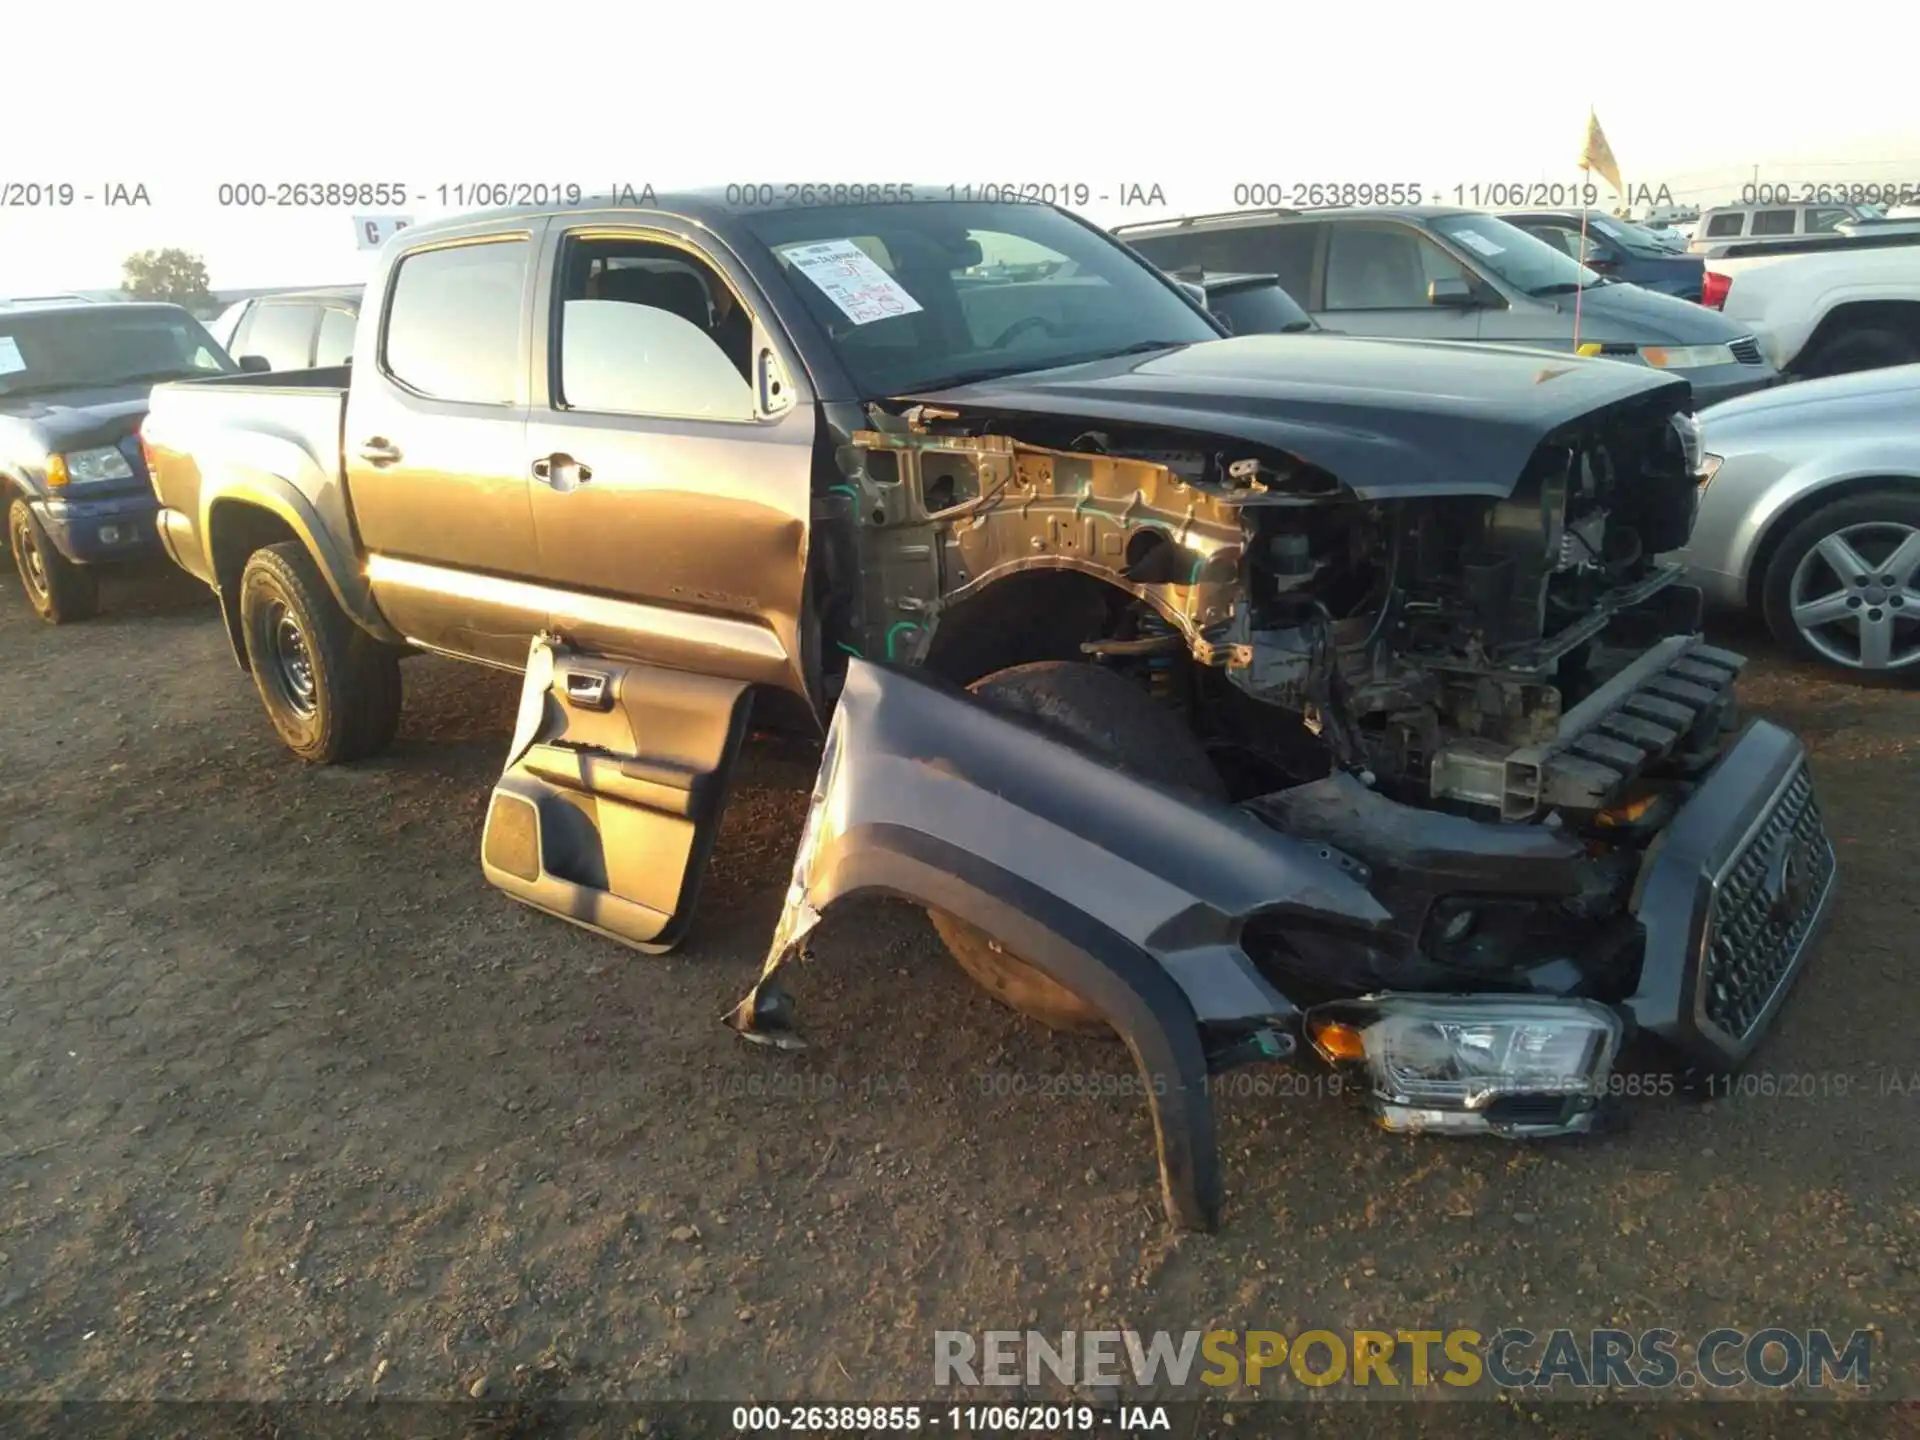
(170, 275)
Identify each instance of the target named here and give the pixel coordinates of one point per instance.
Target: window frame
(268, 302)
(549, 390)
(1740, 228)
(390, 285)
(1475, 280)
(353, 325)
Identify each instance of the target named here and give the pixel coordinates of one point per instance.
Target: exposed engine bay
(1404, 679)
(1434, 646)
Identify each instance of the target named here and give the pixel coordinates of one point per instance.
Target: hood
(1387, 418)
(1811, 400)
(75, 419)
(1627, 312)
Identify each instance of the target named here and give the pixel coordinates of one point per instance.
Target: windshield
(104, 346)
(1625, 232)
(1530, 266)
(917, 297)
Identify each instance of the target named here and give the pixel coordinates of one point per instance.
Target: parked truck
(1823, 311)
(1215, 691)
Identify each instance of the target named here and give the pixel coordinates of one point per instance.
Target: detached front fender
(1132, 896)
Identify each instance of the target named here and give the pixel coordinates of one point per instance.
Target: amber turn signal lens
(56, 471)
(1337, 1041)
(1626, 814)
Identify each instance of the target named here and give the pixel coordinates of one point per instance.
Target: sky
(1213, 97)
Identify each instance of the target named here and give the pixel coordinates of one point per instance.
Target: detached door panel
(608, 808)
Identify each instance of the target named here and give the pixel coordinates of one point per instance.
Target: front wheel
(1109, 716)
(59, 590)
(331, 690)
(1844, 587)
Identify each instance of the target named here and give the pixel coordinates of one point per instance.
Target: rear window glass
(453, 325)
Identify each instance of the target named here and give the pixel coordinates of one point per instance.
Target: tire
(59, 590)
(331, 690)
(1867, 349)
(1870, 621)
(1103, 713)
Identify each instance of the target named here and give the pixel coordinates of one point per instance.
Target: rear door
(435, 446)
(613, 791)
(670, 455)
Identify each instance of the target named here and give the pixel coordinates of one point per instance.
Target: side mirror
(1450, 294)
(255, 364)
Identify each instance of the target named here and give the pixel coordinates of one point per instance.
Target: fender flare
(338, 565)
(1131, 990)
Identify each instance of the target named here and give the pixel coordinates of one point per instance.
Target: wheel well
(1900, 316)
(1029, 616)
(1782, 524)
(235, 529)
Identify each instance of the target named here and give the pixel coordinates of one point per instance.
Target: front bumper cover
(89, 531)
(1137, 898)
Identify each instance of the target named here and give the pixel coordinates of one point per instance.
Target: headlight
(86, 467)
(1474, 1064)
(1686, 357)
(1687, 427)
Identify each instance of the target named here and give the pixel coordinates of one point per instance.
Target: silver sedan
(1810, 512)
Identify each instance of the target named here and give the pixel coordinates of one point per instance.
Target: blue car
(74, 381)
(1619, 250)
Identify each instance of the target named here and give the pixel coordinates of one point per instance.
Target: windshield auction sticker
(847, 276)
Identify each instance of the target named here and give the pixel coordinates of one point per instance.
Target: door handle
(378, 451)
(587, 689)
(562, 472)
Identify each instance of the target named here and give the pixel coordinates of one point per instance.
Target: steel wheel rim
(292, 660)
(1853, 599)
(35, 567)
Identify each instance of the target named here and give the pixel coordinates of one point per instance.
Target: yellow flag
(1596, 155)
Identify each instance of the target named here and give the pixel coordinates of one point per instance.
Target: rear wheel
(1101, 712)
(1864, 349)
(59, 590)
(331, 690)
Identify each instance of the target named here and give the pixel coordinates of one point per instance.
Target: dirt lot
(293, 1105)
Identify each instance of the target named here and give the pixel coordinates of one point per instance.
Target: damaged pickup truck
(1222, 693)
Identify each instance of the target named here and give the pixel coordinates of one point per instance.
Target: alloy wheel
(1853, 598)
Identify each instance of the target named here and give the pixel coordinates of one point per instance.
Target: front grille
(1746, 350)
(1764, 907)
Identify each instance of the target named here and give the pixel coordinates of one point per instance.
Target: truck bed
(280, 431)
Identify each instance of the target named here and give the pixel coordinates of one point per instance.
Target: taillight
(146, 451)
(1713, 290)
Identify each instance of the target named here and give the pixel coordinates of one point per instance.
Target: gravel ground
(292, 1105)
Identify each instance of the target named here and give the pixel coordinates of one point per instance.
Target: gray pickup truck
(1216, 691)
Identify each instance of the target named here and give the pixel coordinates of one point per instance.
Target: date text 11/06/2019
(1476, 195)
(955, 1419)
